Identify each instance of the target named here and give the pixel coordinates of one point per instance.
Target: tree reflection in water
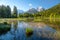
(18, 32)
(14, 29)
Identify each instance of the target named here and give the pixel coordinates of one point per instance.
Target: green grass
(29, 32)
(28, 29)
(46, 20)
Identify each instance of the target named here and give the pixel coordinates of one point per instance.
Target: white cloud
(30, 4)
(40, 7)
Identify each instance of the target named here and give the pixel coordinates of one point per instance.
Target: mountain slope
(54, 10)
(32, 10)
(20, 11)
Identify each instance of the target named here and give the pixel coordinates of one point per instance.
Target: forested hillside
(55, 10)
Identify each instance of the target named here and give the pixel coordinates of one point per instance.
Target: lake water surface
(18, 31)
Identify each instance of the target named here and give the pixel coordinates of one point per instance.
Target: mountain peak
(32, 10)
(39, 9)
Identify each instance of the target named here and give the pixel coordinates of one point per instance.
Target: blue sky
(27, 4)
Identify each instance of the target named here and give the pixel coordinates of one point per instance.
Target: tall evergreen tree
(15, 13)
(8, 12)
(3, 11)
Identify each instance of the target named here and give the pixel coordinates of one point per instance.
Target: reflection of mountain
(32, 10)
(20, 11)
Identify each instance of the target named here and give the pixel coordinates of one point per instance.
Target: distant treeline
(5, 12)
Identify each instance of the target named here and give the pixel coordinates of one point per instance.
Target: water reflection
(4, 28)
(18, 32)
